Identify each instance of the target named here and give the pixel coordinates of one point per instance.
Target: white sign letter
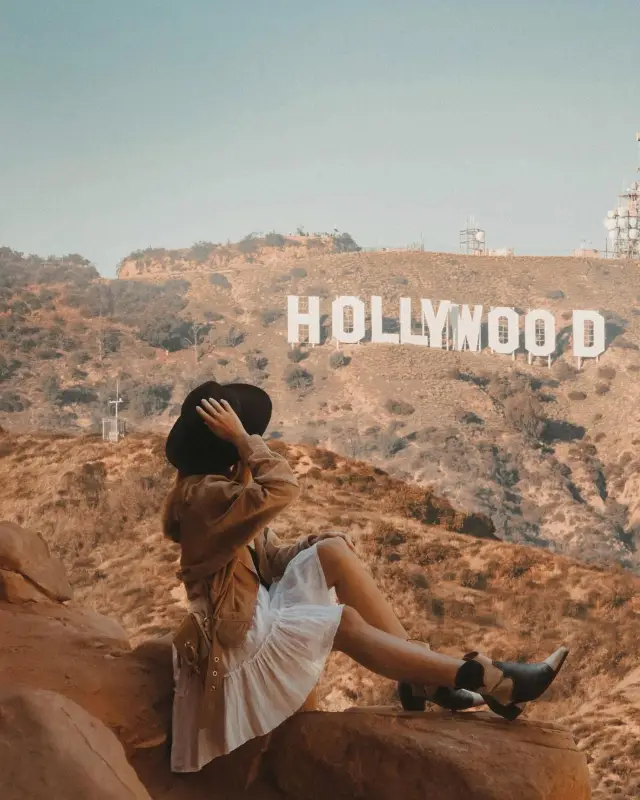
(540, 322)
(377, 334)
(467, 328)
(503, 320)
(297, 318)
(588, 334)
(435, 322)
(338, 322)
(406, 334)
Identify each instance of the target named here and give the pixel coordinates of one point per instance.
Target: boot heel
(510, 712)
(409, 700)
(414, 698)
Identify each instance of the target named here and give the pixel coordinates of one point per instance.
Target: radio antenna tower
(113, 428)
(472, 239)
(623, 222)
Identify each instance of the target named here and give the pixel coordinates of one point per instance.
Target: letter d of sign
(588, 334)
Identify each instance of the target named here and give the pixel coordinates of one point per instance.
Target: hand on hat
(220, 418)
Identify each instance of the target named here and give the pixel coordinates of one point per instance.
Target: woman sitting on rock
(264, 616)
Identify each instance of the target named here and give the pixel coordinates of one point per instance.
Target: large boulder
(50, 747)
(28, 571)
(381, 754)
(87, 658)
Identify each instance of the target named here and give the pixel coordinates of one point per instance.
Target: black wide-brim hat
(193, 448)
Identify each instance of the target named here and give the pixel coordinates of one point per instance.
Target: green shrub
(608, 373)
(298, 378)
(250, 244)
(219, 280)
(12, 402)
(275, 240)
(168, 332)
(201, 251)
(50, 387)
(399, 407)
(525, 413)
(271, 315)
(48, 354)
(76, 394)
(232, 338)
(344, 243)
(8, 368)
(256, 362)
(152, 399)
(296, 355)
(338, 359)
(111, 339)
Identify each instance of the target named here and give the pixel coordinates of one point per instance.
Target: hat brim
(193, 448)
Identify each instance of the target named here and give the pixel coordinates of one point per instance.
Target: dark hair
(170, 518)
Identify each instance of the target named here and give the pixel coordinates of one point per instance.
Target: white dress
(271, 674)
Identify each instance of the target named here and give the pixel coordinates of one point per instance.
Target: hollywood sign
(459, 325)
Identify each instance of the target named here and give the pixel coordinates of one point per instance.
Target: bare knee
(331, 550)
(332, 554)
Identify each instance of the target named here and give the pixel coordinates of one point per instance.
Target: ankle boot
(508, 686)
(415, 698)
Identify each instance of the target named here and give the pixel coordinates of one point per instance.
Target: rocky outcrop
(50, 747)
(87, 658)
(82, 710)
(28, 572)
(380, 754)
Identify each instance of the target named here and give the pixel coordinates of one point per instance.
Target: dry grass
(340, 408)
(98, 506)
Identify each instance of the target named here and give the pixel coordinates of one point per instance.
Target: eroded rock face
(26, 554)
(412, 756)
(51, 748)
(14, 588)
(383, 754)
(87, 658)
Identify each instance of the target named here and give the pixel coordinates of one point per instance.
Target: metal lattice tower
(472, 239)
(114, 428)
(623, 222)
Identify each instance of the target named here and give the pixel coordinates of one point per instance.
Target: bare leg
(356, 587)
(372, 635)
(392, 657)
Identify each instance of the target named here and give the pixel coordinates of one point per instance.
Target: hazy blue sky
(135, 123)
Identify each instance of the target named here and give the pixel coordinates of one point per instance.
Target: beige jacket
(217, 519)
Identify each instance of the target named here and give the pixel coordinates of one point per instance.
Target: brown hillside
(549, 455)
(97, 505)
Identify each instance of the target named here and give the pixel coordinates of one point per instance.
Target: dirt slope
(97, 505)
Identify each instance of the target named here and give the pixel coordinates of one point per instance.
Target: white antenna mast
(116, 403)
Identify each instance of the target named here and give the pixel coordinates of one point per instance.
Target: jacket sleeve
(231, 514)
(279, 555)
